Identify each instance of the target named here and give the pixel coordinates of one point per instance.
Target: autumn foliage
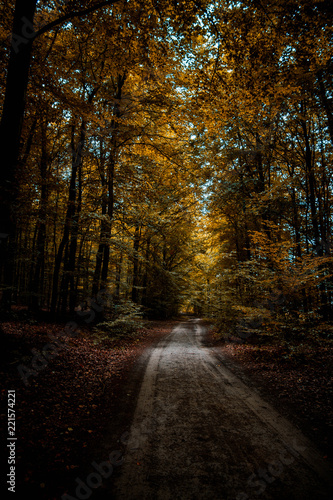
(176, 155)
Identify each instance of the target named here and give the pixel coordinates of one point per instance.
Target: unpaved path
(198, 432)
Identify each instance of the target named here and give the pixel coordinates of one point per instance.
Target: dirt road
(198, 432)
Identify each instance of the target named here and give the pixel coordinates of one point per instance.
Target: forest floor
(67, 404)
(298, 382)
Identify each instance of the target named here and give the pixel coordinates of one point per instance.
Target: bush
(126, 321)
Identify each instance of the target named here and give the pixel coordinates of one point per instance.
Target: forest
(173, 155)
(164, 161)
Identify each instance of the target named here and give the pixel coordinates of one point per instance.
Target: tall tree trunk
(145, 276)
(324, 306)
(38, 275)
(10, 134)
(76, 159)
(135, 281)
(108, 222)
(102, 237)
(103, 227)
(73, 244)
(326, 102)
(310, 179)
(68, 286)
(118, 275)
(103, 255)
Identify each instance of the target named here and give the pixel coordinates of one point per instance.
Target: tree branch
(71, 15)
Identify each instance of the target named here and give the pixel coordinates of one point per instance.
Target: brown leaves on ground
(297, 380)
(65, 409)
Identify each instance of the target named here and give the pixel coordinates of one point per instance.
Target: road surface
(198, 432)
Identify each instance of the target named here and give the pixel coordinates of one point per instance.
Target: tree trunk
(325, 102)
(100, 251)
(38, 275)
(68, 286)
(135, 281)
(145, 276)
(103, 255)
(310, 180)
(118, 275)
(76, 159)
(10, 134)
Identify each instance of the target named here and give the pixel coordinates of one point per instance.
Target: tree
(22, 39)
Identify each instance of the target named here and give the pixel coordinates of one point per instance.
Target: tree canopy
(175, 154)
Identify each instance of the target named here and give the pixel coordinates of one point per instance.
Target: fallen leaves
(303, 388)
(65, 410)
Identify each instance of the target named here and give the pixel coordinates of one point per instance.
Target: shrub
(126, 321)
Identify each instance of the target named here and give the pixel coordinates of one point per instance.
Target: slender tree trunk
(74, 243)
(310, 180)
(326, 102)
(100, 251)
(37, 285)
(324, 306)
(118, 275)
(68, 287)
(76, 159)
(296, 224)
(145, 276)
(103, 227)
(135, 281)
(108, 223)
(103, 255)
